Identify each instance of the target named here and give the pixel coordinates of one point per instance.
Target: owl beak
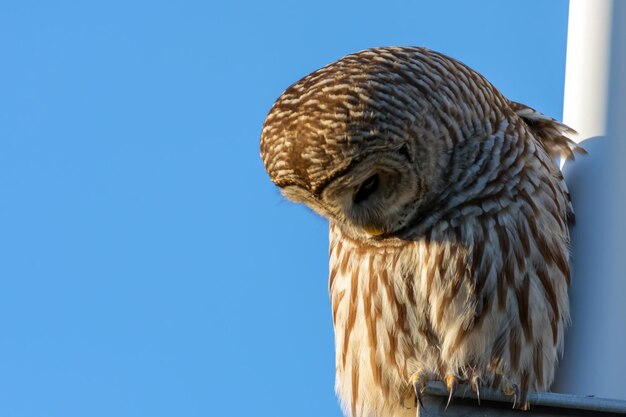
(374, 231)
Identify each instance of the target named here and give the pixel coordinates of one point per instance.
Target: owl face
(373, 198)
(371, 140)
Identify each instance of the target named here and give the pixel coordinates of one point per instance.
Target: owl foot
(511, 390)
(418, 382)
(451, 382)
(475, 385)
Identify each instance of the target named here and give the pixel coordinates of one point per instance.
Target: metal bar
(494, 403)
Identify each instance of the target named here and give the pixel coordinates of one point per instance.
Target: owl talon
(418, 398)
(450, 382)
(511, 390)
(475, 385)
(418, 382)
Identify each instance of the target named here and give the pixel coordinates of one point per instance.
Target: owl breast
(474, 302)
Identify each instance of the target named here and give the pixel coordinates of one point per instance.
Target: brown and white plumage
(448, 223)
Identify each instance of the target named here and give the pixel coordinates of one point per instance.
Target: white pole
(595, 105)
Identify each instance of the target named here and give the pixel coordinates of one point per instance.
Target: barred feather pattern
(448, 221)
(553, 135)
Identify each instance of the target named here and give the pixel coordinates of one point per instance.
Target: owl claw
(450, 382)
(475, 385)
(418, 381)
(418, 397)
(511, 390)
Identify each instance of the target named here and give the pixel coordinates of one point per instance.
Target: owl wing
(551, 133)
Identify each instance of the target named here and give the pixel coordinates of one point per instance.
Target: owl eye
(367, 188)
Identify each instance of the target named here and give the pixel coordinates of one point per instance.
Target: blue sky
(147, 265)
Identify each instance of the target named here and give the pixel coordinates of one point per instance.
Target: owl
(448, 217)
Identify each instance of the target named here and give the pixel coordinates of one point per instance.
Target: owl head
(373, 140)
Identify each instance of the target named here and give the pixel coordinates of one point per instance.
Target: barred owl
(448, 224)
